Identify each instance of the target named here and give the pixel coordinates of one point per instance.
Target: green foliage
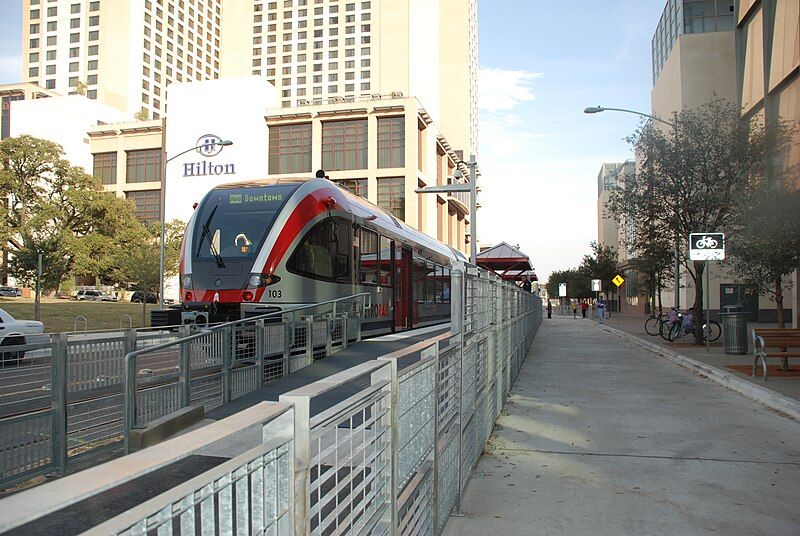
(57, 209)
(601, 264)
(765, 242)
(693, 179)
(142, 115)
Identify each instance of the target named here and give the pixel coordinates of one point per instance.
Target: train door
(402, 287)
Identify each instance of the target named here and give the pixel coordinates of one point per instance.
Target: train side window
(419, 276)
(368, 263)
(386, 262)
(430, 293)
(325, 252)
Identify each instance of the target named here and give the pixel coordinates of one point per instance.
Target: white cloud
(10, 69)
(501, 89)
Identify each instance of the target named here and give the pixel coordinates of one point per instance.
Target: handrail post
(395, 447)
(229, 339)
(185, 373)
(130, 399)
(329, 325)
(288, 336)
(309, 320)
(302, 458)
(437, 432)
(260, 349)
(345, 333)
(59, 380)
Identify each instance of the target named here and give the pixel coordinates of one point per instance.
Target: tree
(136, 258)
(142, 115)
(692, 180)
(601, 264)
(57, 209)
(653, 262)
(80, 87)
(578, 284)
(765, 243)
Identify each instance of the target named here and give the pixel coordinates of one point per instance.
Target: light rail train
(257, 247)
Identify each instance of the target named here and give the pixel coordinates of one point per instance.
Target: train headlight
(186, 281)
(255, 280)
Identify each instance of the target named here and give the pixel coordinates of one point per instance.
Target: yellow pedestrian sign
(618, 280)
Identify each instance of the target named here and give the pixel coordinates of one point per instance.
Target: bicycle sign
(707, 246)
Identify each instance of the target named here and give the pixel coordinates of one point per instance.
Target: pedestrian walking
(575, 309)
(584, 306)
(549, 309)
(601, 310)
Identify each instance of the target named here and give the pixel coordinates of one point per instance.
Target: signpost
(707, 247)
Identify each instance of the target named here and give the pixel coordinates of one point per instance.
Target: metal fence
(222, 363)
(61, 398)
(393, 458)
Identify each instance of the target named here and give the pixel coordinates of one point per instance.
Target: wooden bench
(774, 342)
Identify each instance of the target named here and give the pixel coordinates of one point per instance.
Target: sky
(541, 64)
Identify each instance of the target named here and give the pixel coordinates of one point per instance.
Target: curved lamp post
(674, 125)
(223, 143)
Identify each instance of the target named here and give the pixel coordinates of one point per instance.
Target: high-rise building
(693, 55)
(768, 73)
(126, 52)
(122, 52)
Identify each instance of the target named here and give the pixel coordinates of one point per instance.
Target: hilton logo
(208, 145)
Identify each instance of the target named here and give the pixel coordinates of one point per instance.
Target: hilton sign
(208, 146)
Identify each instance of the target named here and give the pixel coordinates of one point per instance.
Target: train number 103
(273, 293)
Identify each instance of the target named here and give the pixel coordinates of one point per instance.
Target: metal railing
(225, 362)
(392, 457)
(61, 398)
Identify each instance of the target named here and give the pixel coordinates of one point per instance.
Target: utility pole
(37, 309)
(472, 189)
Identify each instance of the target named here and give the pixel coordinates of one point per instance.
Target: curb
(775, 401)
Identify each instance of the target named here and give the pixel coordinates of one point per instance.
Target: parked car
(14, 333)
(10, 292)
(139, 297)
(94, 295)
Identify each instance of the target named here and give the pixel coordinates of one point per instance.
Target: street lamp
(165, 161)
(674, 126)
(472, 188)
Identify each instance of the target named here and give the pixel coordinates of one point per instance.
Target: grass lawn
(59, 315)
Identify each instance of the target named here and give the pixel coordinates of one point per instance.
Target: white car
(94, 295)
(14, 333)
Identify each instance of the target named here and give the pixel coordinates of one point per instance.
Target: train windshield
(233, 222)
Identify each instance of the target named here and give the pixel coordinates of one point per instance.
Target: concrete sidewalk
(602, 437)
(787, 386)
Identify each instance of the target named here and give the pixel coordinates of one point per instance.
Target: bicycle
(707, 242)
(653, 324)
(711, 330)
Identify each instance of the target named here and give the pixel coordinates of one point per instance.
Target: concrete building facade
(127, 52)
(17, 92)
(768, 71)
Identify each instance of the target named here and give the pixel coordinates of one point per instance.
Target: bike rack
(130, 321)
(85, 324)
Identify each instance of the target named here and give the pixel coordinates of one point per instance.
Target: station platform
(89, 513)
(600, 436)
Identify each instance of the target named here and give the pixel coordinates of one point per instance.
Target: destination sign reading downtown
(236, 199)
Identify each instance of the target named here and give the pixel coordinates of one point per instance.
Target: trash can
(734, 330)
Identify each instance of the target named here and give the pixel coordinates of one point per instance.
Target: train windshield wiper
(207, 234)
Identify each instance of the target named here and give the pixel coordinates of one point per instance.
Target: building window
(391, 142)
(105, 167)
(148, 205)
(391, 196)
(290, 148)
(357, 186)
(143, 166)
(344, 144)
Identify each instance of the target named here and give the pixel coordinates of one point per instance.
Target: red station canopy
(507, 261)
